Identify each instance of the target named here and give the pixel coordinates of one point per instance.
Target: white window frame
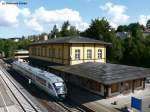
(77, 54)
(89, 53)
(59, 53)
(49, 52)
(99, 53)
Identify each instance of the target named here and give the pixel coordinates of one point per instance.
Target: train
(50, 83)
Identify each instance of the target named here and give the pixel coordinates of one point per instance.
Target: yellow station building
(82, 62)
(69, 50)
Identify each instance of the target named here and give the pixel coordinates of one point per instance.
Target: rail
(34, 109)
(66, 106)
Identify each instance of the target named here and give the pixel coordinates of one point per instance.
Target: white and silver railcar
(48, 82)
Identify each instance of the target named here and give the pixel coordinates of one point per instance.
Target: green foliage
(23, 44)
(68, 30)
(148, 23)
(122, 28)
(115, 52)
(1, 45)
(9, 46)
(55, 32)
(100, 29)
(73, 31)
(134, 50)
(65, 29)
(136, 30)
(131, 51)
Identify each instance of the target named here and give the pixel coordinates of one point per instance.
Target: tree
(100, 29)
(65, 29)
(115, 51)
(73, 31)
(1, 45)
(23, 44)
(148, 24)
(68, 30)
(9, 47)
(55, 32)
(136, 30)
(134, 50)
(122, 28)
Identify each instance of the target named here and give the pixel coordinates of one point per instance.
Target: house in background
(21, 54)
(15, 39)
(123, 35)
(36, 38)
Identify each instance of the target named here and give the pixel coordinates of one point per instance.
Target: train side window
(49, 86)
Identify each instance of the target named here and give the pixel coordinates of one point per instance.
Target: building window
(34, 51)
(49, 52)
(99, 53)
(42, 51)
(59, 53)
(45, 51)
(77, 54)
(38, 51)
(89, 54)
(53, 53)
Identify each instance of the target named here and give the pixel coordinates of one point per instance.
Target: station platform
(12, 98)
(88, 100)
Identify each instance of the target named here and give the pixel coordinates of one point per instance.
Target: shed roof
(105, 73)
(72, 39)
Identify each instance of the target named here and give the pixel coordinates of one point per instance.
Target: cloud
(115, 14)
(82, 26)
(11, 15)
(25, 12)
(8, 14)
(41, 17)
(143, 19)
(34, 25)
(53, 16)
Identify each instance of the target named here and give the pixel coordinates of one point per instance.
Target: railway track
(17, 93)
(45, 100)
(70, 108)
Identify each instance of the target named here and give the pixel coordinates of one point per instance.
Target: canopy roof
(105, 73)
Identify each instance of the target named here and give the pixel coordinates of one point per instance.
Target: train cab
(60, 89)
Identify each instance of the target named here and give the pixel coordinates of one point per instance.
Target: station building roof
(105, 73)
(72, 39)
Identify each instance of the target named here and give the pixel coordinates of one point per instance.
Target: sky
(39, 16)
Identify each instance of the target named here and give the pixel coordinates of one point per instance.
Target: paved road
(146, 104)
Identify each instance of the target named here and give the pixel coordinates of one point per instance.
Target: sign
(136, 103)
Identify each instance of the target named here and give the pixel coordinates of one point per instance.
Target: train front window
(59, 86)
